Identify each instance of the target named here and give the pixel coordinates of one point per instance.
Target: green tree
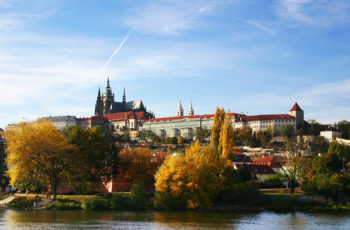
(315, 127)
(147, 135)
(126, 136)
(344, 128)
(244, 174)
(287, 131)
(201, 134)
(293, 167)
(325, 176)
(96, 154)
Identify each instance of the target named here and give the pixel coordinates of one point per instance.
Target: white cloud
(317, 12)
(170, 17)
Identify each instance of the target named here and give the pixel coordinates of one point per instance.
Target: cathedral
(105, 103)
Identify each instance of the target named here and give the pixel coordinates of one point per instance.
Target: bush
(95, 203)
(24, 202)
(138, 199)
(62, 204)
(274, 181)
(282, 203)
(165, 201)
(246, 194)
(120, 202)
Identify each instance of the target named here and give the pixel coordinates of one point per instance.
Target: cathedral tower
(108, 99)
(99, 104)
(191, 111)
(180, 111)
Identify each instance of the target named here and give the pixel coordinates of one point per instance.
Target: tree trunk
(292, 186)
(54, 188)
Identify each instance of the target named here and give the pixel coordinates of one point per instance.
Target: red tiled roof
(268, 117)
(265, 159)
(124, 115)
(296, 107)
(97, 118)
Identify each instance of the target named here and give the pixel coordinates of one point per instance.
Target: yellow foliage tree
(193, 177)
(216, 128)
(226, 137)
(38, 153)
(180, 140)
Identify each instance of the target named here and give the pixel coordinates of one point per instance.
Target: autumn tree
(216, 128)
(96, 155)
(38, 153)
(192, 179)
(180, 140)
(226, 137)
(138, 164)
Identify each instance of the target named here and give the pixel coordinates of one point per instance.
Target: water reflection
(49, 219)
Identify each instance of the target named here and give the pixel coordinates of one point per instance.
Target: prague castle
(133, 116)
(186, 125)
(105, 103)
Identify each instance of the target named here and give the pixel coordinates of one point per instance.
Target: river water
(48, 219)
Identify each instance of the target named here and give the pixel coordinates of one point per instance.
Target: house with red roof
(270, 161)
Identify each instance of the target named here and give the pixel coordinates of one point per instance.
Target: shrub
(120, 202)
(95, 203)
(246, 194)
(138, 199)
(282, 203)
(23, 202)
(165, 201)
(274, 181)
(62, 204)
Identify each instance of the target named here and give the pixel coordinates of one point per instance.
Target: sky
(250, 56)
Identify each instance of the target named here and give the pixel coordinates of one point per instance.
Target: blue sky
(246, 55)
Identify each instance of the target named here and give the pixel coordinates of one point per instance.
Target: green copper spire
(124, 97)
(108, 89)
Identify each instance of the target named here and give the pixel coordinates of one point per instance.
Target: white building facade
(186, 125)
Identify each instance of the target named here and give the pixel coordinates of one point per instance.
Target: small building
(330, 134)
(96, 121)
(63, 122)
(270, 161)
(260, 172)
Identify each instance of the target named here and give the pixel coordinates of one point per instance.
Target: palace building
(186, 125)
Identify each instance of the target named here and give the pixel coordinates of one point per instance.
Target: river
(48, 219)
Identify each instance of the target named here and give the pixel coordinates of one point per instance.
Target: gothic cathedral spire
(180, 111)
(124, 97)
(191, 111)
(99, 104)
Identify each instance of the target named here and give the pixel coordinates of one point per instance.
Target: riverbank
(123, 202)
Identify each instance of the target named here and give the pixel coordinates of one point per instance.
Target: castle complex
(186, 125)
(133, 116)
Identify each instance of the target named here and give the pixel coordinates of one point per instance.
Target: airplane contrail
(114, 53)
